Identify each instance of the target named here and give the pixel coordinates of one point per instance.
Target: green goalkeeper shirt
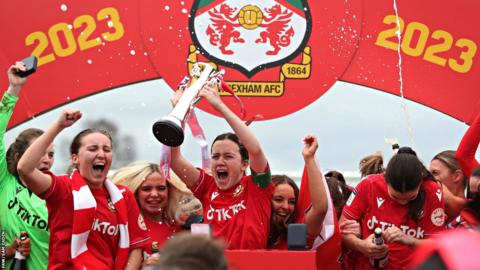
(20, 209)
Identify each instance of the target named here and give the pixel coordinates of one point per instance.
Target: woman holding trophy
(236, 206)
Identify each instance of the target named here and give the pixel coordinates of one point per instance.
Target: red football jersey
(158, 233)
(466, 220)
(104, 235)
(372, 206)
(240, 215)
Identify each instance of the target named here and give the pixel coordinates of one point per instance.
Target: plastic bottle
(395, 148)
(155, 249)
(155, 253)
(20, 261)
(378, 240)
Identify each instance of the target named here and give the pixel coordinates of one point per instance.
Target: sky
(350, 122)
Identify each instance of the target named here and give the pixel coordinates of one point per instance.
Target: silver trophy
(169, 129)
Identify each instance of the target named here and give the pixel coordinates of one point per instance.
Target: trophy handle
(169, 129)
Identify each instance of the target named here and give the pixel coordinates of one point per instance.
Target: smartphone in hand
(30, 66)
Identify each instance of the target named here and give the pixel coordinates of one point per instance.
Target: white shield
(250, 35)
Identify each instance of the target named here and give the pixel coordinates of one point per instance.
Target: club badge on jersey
(438, 217)
(238, 191)
(141, 222)
(111, 206)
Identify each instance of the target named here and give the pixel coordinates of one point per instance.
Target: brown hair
(337, 175)
(371, 164)
(188, 251)
(19, 146)
(77, 141)
(404, 173)
(450, 161)
(473, 205)
(339, 193)
(283, 179)
(234, 138)
(280, 230)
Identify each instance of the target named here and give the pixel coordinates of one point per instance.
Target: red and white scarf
(84, 206)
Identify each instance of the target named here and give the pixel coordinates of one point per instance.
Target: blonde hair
(133, 175)
(371, 164)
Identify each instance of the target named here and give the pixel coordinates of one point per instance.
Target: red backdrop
(89, 47)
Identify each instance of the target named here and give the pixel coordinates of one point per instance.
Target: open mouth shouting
(222, 177)
(98, 169)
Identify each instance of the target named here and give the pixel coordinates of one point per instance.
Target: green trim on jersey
(262, 179)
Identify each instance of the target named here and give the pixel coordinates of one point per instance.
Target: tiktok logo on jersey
(373, 222)
(224, 214)
(26, 216)
(104, 227)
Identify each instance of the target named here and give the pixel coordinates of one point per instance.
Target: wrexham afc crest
(250, 35)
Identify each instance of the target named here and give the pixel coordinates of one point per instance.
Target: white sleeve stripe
(143, 240)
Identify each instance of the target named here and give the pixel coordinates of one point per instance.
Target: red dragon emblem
(276, 25)
(225, 25)
(222, 30)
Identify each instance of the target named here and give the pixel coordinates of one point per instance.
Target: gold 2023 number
(83, 42)
(444, 41)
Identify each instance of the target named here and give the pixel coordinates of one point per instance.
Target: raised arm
(468, 147)
(258, 161)
(37, 181)
(316, 214)
(178, 163)
(16, 82)
(7, 105)
(11, 96)
(184, 169)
